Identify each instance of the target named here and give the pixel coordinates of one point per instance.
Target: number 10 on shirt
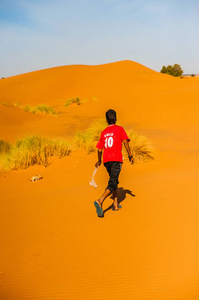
(109, 142)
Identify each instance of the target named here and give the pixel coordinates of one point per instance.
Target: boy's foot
(99, 210)
(116, 209)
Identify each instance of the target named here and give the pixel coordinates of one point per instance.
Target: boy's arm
(99, 153)
(126, 144)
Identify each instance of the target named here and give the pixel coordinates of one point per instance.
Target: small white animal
(36, 177)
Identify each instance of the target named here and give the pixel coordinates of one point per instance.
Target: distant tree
(174, 70)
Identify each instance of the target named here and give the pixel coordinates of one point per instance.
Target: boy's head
(111, 117)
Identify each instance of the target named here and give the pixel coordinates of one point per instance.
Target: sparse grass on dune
(71, 101)
(42, 108)
(5, 104)
(31, 150)
(96, 128)
(35, 149)
(45, 109)
(4, 146)
(83, 140)
(140, 147)
(87, 140)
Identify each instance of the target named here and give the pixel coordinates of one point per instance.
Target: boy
(111, 142)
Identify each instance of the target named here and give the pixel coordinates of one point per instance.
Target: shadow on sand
(121, 195)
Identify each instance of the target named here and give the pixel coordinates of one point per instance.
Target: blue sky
(39, 34)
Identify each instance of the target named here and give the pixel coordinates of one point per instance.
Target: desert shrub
(83, 140)
(5, 104)
(174, 70)
(140, 147)
(71, 101)
(36, 149)
(26, 108)
(42, 108)
(96, 128)
(87, 140)
(4, 146)
(61, 147)
(33, 149)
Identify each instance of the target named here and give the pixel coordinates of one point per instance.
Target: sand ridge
(52, 244)
(143, 96)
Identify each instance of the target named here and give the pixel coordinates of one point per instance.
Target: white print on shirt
(109, 142)
(108, 134)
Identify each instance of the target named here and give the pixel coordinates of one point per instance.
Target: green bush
(174, 70)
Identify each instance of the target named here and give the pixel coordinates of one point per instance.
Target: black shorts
(113, 168)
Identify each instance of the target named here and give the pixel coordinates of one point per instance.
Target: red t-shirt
(111, 141)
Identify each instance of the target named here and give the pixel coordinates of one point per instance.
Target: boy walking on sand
(111, 143)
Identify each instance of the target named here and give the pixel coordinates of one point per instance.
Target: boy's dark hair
(111, 116)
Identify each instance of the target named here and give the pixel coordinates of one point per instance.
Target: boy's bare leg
(115, 200)
(103, 197)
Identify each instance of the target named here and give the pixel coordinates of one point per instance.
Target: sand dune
(144, 97)
(52, 244)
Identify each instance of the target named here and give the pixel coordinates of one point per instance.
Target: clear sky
(39, 34)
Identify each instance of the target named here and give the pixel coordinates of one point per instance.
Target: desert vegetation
(31, 150)
(36, 149)
(45, 109)
(141, 148)
(174, 70)
(87, 139)
(42, 108)
(4, 146)
(71, 101)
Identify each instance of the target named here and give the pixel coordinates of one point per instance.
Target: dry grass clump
(42, 108)
(35, 149)
(31, 150)
(96, 128)
(71, 101)
(4, 152)
(4, 146)
(140, 147)
(87, 140)
(5, 104)
(83, 140)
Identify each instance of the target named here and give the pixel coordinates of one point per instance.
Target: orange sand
(52, 244)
